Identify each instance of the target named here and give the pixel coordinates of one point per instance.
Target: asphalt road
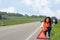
(28, 31)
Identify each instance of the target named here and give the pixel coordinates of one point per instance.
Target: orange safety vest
(45, 26)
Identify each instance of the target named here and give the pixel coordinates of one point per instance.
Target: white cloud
(27, 2)
(57, 1)
(44, 2)
(9, 10)
(58, 14)
(42, 6)
(47, 11)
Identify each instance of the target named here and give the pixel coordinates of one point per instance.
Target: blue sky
(31, 7)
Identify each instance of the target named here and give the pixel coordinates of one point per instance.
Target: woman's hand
(42, 28)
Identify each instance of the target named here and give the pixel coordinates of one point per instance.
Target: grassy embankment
(55, 34)
(17, 20)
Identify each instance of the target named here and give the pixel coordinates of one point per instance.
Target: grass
(17, 20)
(55, 33)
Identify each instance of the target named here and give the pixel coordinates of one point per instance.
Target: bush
(55, 33)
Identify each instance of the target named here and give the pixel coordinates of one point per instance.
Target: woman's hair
(50, 21)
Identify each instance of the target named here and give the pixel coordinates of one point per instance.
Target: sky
(31, 7)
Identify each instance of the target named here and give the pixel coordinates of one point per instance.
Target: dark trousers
(48, 30)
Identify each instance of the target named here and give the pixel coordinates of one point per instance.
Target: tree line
(5, 15)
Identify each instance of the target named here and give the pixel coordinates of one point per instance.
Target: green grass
(17, 20)
(55, 33)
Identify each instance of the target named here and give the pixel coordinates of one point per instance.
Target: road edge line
(33, 33)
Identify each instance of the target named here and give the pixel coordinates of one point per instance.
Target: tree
(26, 15)
(34, 16)
(0, 16)
(17, 14)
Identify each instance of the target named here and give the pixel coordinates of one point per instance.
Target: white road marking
(33, 33)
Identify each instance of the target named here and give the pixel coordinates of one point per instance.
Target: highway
(27, 31)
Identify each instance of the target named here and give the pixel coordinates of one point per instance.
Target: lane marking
(33, 33)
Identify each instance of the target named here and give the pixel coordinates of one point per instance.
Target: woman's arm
(41, 25)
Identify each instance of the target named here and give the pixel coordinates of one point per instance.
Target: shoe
(48, 37)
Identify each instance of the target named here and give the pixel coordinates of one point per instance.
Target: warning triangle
(41, 35)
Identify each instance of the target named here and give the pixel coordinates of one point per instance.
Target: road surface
(28, 31)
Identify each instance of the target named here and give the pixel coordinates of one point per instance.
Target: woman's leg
(49, 31)
(45, 32)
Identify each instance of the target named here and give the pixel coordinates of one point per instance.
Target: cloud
(58, 14)
(44, 6)
(27, 2)
(8, 10)
(47, 11)
(57, 1)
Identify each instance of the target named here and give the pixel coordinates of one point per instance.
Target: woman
(47, 26)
